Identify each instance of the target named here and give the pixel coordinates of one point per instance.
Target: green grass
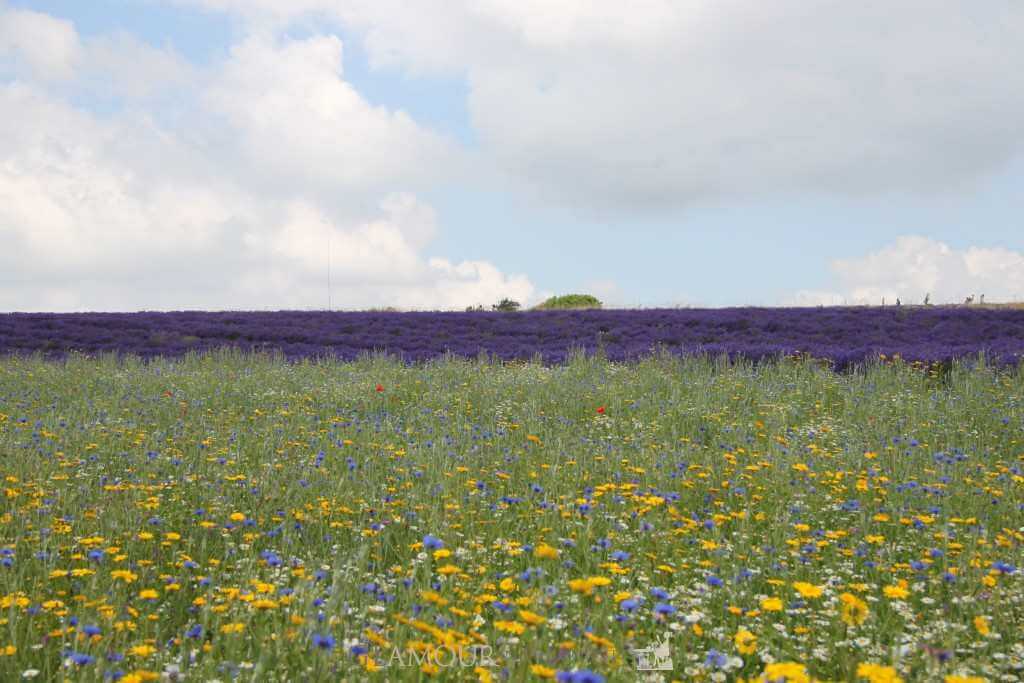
(696, 471)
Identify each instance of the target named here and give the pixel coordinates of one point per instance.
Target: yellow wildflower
(545, 552)
(124, 575)
(141, 677)
(510, 627)
(746, 642)
(790, 672)
(808, 590)
(853, 610)
(542, 671)
(895, 592)
(877, 673)
(531, 618)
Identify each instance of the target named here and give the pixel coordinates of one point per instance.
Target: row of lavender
(844, 335)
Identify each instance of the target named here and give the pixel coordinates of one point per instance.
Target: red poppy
(600, 410)
(380, 387)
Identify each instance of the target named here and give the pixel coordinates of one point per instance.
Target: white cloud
(300, 126)
(230, 206)
(122, 65)
(373, 263)
(914, 266)
(47, 47)
(659, 104)
(45, 50)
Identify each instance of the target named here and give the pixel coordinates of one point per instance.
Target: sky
(353, 154)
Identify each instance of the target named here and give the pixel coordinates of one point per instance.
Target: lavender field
(845, 336)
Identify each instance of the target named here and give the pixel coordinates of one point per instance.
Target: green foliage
(506, 305)
(570, 301)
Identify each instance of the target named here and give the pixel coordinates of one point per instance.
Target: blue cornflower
(715, 659)
(80, 658)
(579, 676)
(664, 609)
(323, 642)
(629, 604)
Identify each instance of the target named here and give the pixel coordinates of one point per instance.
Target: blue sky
(860, 175)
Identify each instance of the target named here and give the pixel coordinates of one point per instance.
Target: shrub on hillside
(570, 301)
(507, 305)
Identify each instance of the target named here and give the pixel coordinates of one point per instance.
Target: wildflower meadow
(241, 516)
